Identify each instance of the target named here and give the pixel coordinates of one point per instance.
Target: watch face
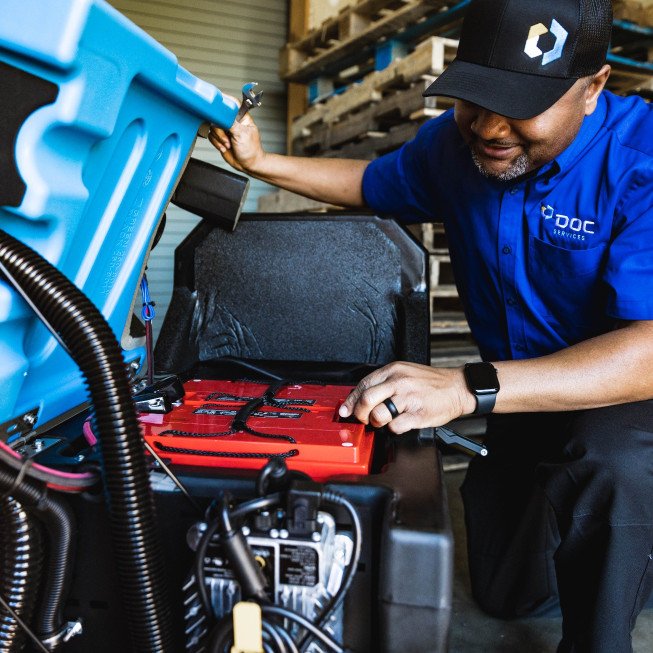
(482, 378)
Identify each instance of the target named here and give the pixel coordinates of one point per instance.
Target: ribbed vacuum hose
(59, 521)
(92, 345)
(21, 556)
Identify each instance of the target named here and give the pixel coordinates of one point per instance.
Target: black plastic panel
(337, 288)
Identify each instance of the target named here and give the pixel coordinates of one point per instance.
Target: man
(543, 182)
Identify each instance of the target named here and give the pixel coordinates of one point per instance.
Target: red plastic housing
(323, 445)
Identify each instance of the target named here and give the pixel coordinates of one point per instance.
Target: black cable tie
(18, 479)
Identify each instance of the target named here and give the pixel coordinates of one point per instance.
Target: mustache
(494, 142)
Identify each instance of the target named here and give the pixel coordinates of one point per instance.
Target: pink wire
(48, 470)
(87, 430)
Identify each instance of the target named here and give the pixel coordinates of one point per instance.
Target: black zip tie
(224, 454)
(18, 479)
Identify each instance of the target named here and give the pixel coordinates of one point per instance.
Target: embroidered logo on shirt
(531, 48)
(567, 227)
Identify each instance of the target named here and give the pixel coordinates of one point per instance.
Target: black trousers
(562, 510)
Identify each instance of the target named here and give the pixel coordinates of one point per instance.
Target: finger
(347, 407)
(402, 424)
(217, 144)
(380, 416)
(221, 137)
(372, 400)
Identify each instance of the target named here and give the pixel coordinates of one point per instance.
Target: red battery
(299, 422)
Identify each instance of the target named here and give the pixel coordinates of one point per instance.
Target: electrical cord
(274, 635)
(222, 636)
(315, 632)
(249, 366)
(330, 496)
(222, 632)
(212, 527)
(62, 481)
(333, 497)
(148, 314)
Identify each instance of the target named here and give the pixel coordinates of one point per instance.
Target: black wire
(261, 503)
(337, 599)
(71, 484)
(199, 568)
(245, 508)
(273, 634)
(249, 366)
(220, 635)
(283, 641)
(18, 479)
(315, 632)
(292, 647)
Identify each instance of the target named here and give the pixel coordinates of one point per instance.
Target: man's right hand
(241, 146)
(334, 181)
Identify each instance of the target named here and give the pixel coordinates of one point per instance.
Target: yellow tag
(248, 628)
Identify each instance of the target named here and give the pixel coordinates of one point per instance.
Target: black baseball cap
(519, 57)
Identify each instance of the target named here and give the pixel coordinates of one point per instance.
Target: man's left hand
(424, 397)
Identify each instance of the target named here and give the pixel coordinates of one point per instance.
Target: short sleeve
(401, 183)
(629, 270)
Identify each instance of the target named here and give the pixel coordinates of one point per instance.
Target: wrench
(251, 100)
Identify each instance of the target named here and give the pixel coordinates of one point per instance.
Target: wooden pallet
(429, 58)
(377, 144)
(340, 38)
(447, 316)
(636, 11)
(396, 108)
(433, 237)
(624, 80)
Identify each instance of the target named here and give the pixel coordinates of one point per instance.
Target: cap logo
(537, 30)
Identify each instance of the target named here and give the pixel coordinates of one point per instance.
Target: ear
(594, 89)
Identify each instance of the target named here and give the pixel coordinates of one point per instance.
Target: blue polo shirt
(545, 261)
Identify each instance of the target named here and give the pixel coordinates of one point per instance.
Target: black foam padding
(21, 94)
(215, 194)
(334, 288)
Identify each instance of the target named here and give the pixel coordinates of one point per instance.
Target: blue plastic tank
(97, 121)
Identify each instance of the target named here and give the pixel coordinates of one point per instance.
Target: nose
(490, 126)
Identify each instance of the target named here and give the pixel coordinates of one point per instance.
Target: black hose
(85, 333)
(21, 555)
(59, 521)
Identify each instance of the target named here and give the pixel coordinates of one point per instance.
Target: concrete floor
(473, 631)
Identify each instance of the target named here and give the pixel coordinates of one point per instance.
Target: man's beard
(518, 167)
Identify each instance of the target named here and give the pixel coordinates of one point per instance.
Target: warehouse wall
(227, 43)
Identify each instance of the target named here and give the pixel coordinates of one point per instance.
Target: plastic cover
(98, 120)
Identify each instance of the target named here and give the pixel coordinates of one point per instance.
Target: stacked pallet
(344, 38)
(379, 113)
(447, 317)
(636, 11)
